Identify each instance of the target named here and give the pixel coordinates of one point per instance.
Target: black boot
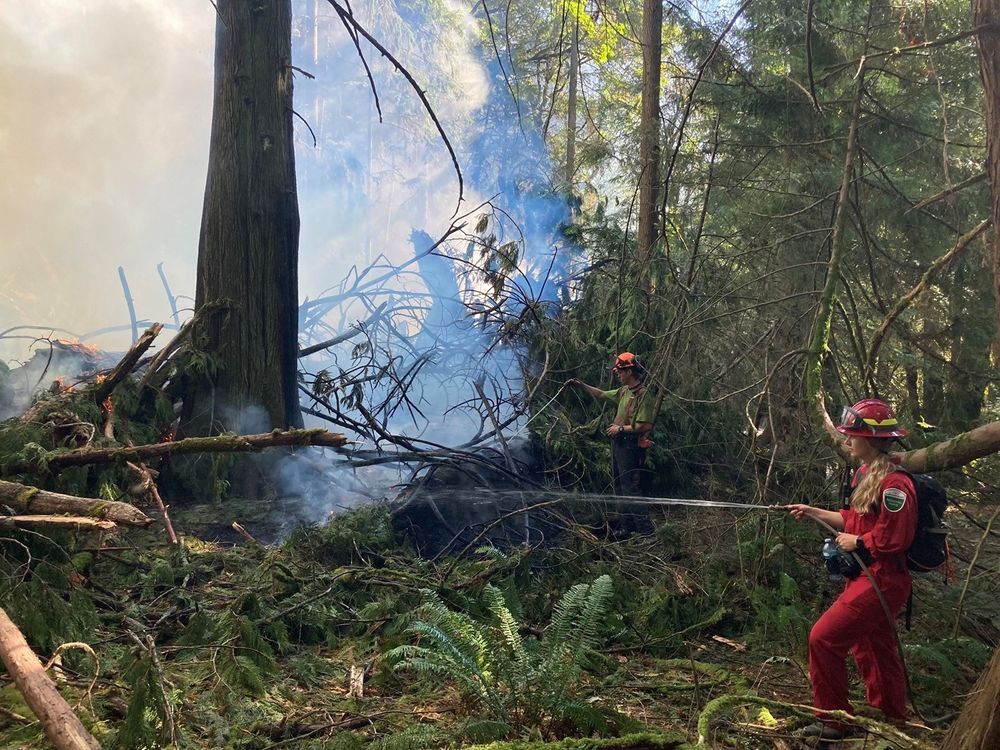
(823, 732)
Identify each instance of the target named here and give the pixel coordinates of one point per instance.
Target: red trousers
(856, 623)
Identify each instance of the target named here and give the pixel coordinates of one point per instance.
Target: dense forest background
(781, 207)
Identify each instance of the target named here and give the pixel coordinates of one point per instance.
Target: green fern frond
(509, 627)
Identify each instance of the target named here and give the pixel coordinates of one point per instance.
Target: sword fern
(519, 683)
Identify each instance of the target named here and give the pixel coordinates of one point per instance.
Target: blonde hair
(866, 494)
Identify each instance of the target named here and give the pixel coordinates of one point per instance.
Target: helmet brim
(895, 432)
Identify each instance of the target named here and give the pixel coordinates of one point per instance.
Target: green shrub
(520, 684)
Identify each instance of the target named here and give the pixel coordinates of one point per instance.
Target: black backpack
(929, 549)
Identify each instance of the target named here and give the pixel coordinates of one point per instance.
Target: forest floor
(244, 645)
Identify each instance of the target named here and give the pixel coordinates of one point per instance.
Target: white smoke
(103, 151)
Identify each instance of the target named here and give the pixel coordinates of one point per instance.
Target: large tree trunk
(61, 726)
(986, 13)
(978, 726)
(649, 129)
(248, 251)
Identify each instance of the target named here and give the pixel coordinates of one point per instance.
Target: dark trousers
(627, 461)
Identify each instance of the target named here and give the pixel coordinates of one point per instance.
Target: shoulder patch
(893, 499)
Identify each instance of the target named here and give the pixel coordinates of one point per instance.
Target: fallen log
(69, 522)
(38, 502)
(61, 726)
(214, 444)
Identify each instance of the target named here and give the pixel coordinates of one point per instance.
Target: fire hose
(637, 500)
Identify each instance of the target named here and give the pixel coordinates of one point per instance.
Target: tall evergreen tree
(248, 249)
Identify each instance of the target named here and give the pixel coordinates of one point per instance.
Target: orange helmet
(626, 361)
(870, 418)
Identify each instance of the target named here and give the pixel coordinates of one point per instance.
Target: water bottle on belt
(831, 551)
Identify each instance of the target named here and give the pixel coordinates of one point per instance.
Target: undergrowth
(252, 646)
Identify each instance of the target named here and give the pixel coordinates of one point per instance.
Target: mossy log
(69, 522)
(960, 450)
(947, 454)
(38, 502)
(215, 444)
(61, 726)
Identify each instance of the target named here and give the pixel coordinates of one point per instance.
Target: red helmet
(625, 361)
(870, 418)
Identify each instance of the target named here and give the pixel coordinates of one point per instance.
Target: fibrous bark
(61, 726)
(248, 249)
(35, 501)
(978, 725)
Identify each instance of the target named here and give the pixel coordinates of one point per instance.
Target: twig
(968, 578)
(149, 486)
(238, 528)
(903, 302)
(83, 647)
(308, 126)
(810, 12)
(348, 18)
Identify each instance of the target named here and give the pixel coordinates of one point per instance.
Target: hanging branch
(689, 102)
(61, 726)
(810, 12)
(904, 302)
(348, 18)
(503, 69)
(974, 180)
(820, 336)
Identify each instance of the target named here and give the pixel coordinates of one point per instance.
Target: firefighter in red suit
(878, 525)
